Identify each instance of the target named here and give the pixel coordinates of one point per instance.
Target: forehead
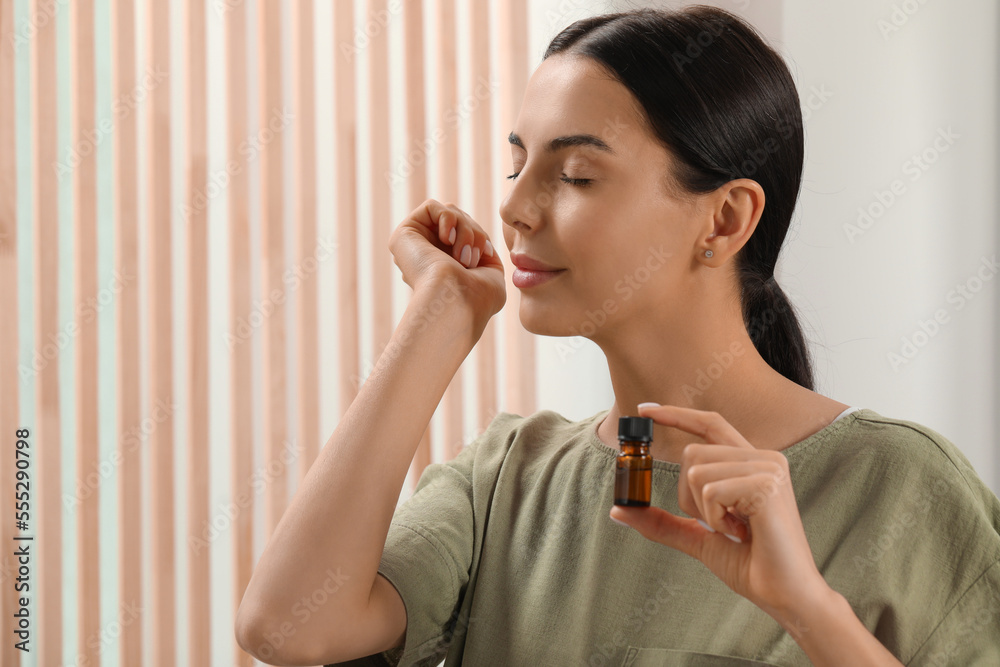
(569, 93)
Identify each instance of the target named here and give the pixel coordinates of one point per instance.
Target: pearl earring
(708, 253)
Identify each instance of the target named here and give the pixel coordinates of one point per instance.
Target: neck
(715, 369)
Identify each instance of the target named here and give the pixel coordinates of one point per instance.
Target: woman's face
(623, 243)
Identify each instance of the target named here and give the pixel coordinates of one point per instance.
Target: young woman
(657, 158)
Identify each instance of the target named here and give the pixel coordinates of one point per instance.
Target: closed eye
(581, 182)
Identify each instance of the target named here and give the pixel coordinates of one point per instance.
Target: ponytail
(774, 329)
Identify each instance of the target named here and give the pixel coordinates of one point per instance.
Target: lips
(529, 263)
(531, 272)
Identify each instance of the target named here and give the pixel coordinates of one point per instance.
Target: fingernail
(617, 521)
(466, 255)
(451, 237)
(706, 526)
(649, 405)
(733, 538)
(489, 248)
(475, 256)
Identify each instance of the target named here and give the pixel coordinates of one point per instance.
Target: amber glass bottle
(634, 467)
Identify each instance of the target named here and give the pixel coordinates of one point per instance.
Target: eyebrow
(569, 140)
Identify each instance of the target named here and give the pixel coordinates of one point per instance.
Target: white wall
(889, 89)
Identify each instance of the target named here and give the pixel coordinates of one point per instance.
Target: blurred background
(195, 202)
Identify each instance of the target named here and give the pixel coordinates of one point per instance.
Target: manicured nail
(466, 255)
(617, 521)
(451, 237)
(733, 538)
(649, 405)
(489, 248)
(475, 256)
(706, 526)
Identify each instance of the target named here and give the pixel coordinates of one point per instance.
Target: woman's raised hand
(440, 242)
(754, 540)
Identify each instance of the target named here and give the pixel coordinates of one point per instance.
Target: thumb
(661, 526)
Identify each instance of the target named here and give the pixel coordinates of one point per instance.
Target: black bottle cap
(635, 428)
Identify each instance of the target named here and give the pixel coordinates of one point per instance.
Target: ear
(736, 209)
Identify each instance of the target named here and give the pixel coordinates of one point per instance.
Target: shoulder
(510, 428)
(896, 476)
(901, 450)
(514, 440)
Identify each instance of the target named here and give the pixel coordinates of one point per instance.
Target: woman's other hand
(754, 541)
(439, 243)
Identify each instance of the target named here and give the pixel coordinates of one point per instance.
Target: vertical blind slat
(85, 265)
(308, 252)
(379, 132)
(448, 186)
(482, 195)
(272, 257)
(240, 345)
(9, 341)
(416, 179)
(345, 186)
(127, 363)
(198, 616)
(161, 342)
(47, 437)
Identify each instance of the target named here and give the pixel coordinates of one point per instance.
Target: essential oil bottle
(634, 467)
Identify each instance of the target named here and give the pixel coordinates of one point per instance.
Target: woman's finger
(659, 525)
(709, 426)
(738, 496)
(701, 454)
(701, 475)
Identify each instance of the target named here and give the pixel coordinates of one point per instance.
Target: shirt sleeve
(968, 633)
(428, 556)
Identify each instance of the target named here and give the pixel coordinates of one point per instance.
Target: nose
(521, 209)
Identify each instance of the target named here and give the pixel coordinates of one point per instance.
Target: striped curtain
(196, 199)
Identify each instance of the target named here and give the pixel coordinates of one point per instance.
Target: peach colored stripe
(241, 349)
(416, 183)
(46, 441)
(483, 140)
(381, 224)
(273, 290)
(513, 67)
(308, 253)
(9, 383)
(198, 442)
(129, 445)
(161, 342)
(447, 170)
(88, 607)
(345, 146)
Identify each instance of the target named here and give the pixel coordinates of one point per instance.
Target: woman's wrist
(824, 625)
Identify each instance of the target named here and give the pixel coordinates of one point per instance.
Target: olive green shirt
(505, 555)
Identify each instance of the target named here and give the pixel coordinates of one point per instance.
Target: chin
(542, 320)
